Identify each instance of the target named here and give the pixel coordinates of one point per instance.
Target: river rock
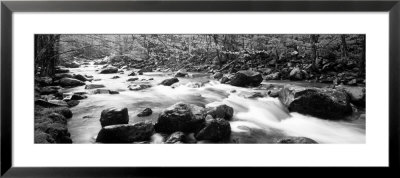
(273, 76)
(218, 75)
(78, 97)
(176, 137)
(224, 79)
(115, 77)
(50, 103)
(113, 92)
(132, 79)
(297, 74)
(93, 86)
(113, 116)
(255, 95)
(73, 103)
(132, 74)
(109, 70)
(169, 82)
(323, 103)
(61, 70)
(180, 117)
(297, 140)
(63, 75)
(126, 133)
(145, 112)
(181, 73)
(246, 78)
(70, 82)
(43, 81)
(356, 94)
(222, 111)
(352, 82)
(49, 90)
(73, 64)
(101, 91)
(138, 87)
(215, 130)
(81, 78)
(274, 93)
(66, 112)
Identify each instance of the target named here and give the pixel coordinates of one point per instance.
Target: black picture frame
(8, 7)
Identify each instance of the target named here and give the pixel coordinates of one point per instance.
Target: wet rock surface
(126, 133)
(324, 103)
(113, 116)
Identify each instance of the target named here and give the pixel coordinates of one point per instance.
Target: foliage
(177, 51)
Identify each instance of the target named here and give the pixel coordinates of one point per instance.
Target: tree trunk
(344, 47)
(216, 47)
(314, 55)
(46, 54)
(362, 62)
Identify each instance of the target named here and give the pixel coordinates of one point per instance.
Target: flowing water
(255, 120)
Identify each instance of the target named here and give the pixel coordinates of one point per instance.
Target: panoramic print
(199, 88)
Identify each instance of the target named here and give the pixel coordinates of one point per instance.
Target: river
(255, 120)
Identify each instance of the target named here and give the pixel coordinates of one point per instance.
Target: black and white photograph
(199, 88)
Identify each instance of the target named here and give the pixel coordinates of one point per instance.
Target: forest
(319, 58)
(316, 75)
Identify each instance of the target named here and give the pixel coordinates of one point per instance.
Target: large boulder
(109, 70)
(246, 78)
(73, 103)
(324, 103)
(297, 140)
(180, 117)
(70, 82)
(113, 116)
(215, 130)
(169, 82)
(222, 111)
(126, 133)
